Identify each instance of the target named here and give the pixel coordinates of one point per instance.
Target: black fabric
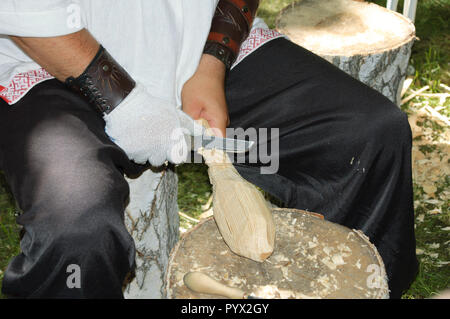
(67, 177)
(345, 149)
(344, 153)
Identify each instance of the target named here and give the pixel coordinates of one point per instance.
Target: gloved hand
(150, 129)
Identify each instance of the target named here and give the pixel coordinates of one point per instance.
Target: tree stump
(367, 41)
(313, 258)
(152, 219)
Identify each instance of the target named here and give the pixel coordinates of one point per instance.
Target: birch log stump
(369, 42)
(152, 219)
(312, 259)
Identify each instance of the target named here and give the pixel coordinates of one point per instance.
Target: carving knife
(231, 145)
(198, 138)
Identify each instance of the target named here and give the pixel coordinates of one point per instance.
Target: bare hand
(203, 95)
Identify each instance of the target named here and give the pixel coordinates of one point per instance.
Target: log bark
(152, 219)
(367, 41)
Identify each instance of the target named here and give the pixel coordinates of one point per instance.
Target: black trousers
(344, 152)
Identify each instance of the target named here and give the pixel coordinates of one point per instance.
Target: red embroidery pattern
(256, 38)
(21, 83)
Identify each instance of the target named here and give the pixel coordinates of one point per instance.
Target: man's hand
(203, 95)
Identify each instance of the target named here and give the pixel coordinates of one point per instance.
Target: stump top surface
(313, 258)
(344, 27)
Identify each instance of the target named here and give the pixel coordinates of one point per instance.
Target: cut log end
(344, 27)
(365, 40)
(313, 258)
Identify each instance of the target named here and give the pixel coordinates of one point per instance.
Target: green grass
(430, 58)
(9, 231)
(194, 188)
(269, 10)
(433, 277)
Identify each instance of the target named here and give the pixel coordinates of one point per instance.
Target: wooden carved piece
(240, 210)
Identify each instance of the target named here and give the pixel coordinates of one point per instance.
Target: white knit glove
(150, 129)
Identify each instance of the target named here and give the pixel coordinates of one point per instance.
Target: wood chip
(414, 94)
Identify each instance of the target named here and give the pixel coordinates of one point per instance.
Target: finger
(194, 112)
(216, 127)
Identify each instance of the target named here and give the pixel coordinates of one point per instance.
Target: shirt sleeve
(42, 18)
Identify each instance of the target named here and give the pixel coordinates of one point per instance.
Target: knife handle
(205, 124)
(214, 157)
(202, 283)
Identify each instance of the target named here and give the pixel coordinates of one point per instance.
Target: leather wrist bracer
(104, 83)
(230, 26)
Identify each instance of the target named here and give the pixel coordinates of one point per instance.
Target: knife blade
(198, 137)
(230, 145)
